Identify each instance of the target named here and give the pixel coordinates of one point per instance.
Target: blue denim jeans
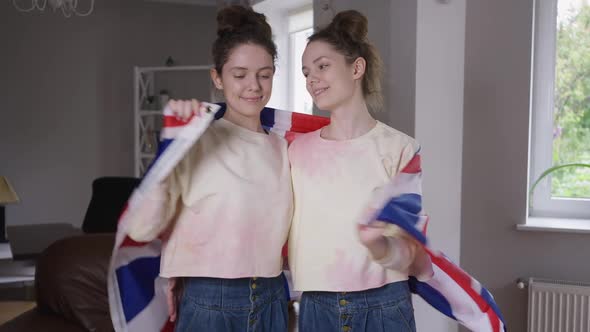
(245, 304)
(385, 309)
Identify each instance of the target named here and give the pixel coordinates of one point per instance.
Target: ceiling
(201, 2)
(189, 2)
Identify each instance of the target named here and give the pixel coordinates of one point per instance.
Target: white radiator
(558, 306)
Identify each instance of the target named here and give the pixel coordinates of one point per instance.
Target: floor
(11, 309)
(15, 298)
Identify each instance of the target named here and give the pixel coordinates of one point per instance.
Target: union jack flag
(137, 296)
(447, 287)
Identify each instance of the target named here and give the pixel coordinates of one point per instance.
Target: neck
(349, 121)
(248, 122)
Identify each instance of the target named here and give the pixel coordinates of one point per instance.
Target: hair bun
(351, 23)
(239, 19)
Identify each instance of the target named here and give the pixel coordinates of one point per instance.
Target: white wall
(439, 128)
(66, 87)
(499, 38)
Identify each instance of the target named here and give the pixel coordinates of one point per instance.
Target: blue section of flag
(136, 284)
(490, 300)
(432, 296)
(267, 118)
(403, 211)
(221, 112)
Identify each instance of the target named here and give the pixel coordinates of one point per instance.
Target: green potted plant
(549, 171)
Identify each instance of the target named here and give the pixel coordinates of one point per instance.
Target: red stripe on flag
(128, 242)
(285, 250)
(168, 326)
(461, 278)
(494, 320)
(413, 166)
(172, 121)
(305, 123)
(426, 225)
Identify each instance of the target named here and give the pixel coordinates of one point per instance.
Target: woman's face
(246, 79)
(329, 79)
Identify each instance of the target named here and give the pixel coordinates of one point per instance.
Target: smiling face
(330, 80)
(246, 79)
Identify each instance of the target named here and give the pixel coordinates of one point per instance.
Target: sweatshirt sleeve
(403, 249)
(156, 210)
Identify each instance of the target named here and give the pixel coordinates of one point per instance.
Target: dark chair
(109, 196)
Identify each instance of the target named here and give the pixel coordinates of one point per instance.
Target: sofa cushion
(71, 279)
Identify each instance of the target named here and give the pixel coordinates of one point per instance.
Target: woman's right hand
(171, 299)
(185, 109)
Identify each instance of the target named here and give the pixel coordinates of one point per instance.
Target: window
(560, 117)
(300, 28)
(292, 23)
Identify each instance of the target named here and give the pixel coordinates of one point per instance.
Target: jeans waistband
(386, 295)
(233, 293)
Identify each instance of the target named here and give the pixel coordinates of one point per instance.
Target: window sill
(555, 225)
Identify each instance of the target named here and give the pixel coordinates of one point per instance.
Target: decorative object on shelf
(67, 7)
(163, 99)
(150, 144)
(149, 103)
(170, 61)
(326, 13)
(7, 196)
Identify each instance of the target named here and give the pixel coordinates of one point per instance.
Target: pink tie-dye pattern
(241, 234)
(346, 273)
(320, 164)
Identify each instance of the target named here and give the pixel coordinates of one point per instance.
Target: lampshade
(7, 193)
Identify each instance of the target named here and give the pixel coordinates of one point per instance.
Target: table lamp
(7, 196)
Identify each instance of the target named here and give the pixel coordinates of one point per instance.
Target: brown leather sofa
(70, 287)
(70, 275)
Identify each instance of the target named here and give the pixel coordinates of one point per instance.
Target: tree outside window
(571, 131)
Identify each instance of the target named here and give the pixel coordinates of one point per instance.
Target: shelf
(149, 121)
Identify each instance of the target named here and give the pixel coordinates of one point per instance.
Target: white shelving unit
(148, 120)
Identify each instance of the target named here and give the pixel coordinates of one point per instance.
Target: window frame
(541, 132)
(293, 71)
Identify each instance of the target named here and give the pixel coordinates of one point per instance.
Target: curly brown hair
(238, 25)
(347, 34)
